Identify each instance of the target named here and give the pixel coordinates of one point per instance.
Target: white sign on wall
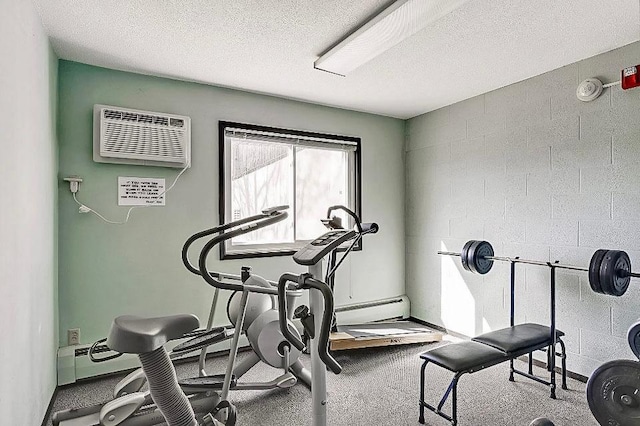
(135, 191)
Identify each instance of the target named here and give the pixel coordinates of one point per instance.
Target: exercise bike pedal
(205, 384)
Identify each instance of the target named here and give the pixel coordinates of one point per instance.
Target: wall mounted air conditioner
(129, 136)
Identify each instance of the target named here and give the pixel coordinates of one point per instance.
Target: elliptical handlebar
(267, 217)
(306, 281)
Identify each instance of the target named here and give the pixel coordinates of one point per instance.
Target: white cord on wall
(86, 209)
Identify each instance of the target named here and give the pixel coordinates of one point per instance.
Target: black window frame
(223, 125)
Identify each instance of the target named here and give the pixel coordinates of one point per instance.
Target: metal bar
(454, 402)
(512, 312)
(540, 263)
(318, 369)
(552, 348)
(513, 291)
(563, 358)
(372, 304)
(202, 359)
(435, 410)
(233, 350)
(532, 377)
(424, 365)
(446, 394)
(518, 260)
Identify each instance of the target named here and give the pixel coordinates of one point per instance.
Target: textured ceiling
(270, 46)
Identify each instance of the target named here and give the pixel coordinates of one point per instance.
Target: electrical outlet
(73, 336)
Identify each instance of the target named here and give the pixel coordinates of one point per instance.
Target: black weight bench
(490, 349)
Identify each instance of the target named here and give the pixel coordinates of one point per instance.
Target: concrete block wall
(540, 175)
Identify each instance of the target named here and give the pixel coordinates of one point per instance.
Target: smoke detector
(589, 89)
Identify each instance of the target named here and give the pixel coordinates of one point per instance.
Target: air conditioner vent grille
(138, 137)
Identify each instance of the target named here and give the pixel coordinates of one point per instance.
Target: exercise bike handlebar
(369, 228)
(305, 281)
(347, 211)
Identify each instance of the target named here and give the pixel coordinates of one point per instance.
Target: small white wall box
(129, 136)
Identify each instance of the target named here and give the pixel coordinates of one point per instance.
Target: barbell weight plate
(471, 256)
(594, 270)
(541, 421)
(613, 393)
(614, 273)
(633, 336)
(481, 264)
(464, 253)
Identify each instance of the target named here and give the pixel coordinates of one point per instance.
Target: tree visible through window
(264, 167)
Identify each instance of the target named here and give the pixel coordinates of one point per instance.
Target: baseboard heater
(376, 310)
(74, 363)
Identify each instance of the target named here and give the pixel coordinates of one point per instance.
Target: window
(262, 167)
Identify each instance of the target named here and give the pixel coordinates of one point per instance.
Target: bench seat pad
(464, 356)
(518, 337)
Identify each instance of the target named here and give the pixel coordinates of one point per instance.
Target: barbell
(609, 270)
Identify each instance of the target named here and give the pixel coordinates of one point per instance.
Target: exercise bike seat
(135, 335)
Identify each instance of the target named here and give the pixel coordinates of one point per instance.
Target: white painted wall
(28, 164)
(108, 270)
(540, 175)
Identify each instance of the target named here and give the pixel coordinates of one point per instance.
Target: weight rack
(551, 356)
(612, 391)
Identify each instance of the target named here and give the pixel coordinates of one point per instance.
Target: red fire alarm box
(630, 77)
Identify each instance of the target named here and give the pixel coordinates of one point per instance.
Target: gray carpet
(381, 386)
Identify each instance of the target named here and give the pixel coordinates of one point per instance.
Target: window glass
(266, 167)
(322, 181)
(261, 177)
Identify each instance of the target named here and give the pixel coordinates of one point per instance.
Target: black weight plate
(471, 255)
(622, 278)
(633, 336)
(464, 253)
(613, 393)
(613, 279)
(481, 264)
(541, 421)
(594, 270)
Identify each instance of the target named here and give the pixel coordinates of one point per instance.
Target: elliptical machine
(251, 309)
(133, 407)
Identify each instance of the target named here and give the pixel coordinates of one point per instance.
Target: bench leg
(563, 358)
(511, 379)
(454, 402)
(531, 363)
(424, 365)
(551, 351)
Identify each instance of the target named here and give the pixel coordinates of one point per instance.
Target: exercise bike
(317, 319)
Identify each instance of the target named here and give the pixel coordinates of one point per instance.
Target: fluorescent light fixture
(396, 23)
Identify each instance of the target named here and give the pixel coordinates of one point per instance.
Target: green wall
(28, 166)
(108, 270)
